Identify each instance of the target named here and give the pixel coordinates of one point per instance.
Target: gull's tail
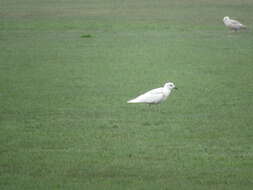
(133, 101)
(243, 26)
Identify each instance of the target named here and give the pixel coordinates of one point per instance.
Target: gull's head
(225, 19)
(170, 85)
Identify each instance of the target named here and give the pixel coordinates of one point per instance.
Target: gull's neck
(166, 91)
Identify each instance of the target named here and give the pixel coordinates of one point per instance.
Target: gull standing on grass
(233, 24)
(155, 96)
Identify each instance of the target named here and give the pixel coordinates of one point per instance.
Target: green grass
(64, 120)
(86, 36)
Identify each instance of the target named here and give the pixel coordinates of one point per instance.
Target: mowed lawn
(68, 67)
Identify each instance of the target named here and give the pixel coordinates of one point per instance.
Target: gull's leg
(150, 106)
(159, 108)
(231, 31)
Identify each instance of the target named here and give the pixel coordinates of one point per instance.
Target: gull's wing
(155, 91)
(150, 98)
(235, 22)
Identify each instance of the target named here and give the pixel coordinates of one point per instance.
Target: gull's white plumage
(233, 24)
(154, 96)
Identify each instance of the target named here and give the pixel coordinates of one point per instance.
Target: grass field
(68, 67)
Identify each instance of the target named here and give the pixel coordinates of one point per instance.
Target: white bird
(155, 96)
(233, 24)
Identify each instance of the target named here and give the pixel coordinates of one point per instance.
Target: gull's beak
(176, 88)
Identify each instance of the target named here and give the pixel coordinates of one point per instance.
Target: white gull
(155, 96)
(233, 24)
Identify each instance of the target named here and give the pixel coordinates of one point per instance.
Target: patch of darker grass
(146, 124)
(86, 36)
